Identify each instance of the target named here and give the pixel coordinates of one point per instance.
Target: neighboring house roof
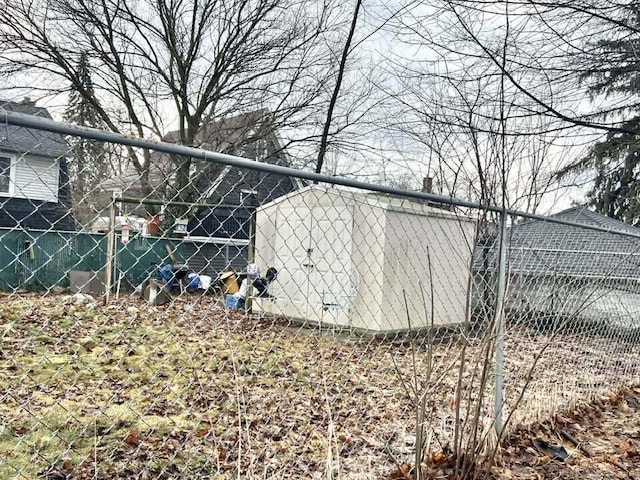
(28, 140)
(240, 135)
(250, 135)
(544, 248)
(239, 187)
(22, 210)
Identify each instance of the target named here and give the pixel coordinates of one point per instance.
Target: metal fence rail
(258, 321)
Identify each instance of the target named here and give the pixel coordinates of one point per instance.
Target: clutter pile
(160, 280)
(235, 297)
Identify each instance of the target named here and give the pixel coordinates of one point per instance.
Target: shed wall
(412, 243)
(368, 260)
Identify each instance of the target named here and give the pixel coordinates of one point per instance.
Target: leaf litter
(191, 390)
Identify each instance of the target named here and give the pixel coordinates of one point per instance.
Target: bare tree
(569, 67)
(479, 134)
(156, 65)
(336, 90)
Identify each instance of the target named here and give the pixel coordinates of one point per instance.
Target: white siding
(368, 259)
(367, 256)
(415, 245)
(35, 178)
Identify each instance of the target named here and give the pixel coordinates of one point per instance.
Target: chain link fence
(194, 315)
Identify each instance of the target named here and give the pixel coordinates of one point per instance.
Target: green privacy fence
(33, 260)
(38, 261)
(134, 260)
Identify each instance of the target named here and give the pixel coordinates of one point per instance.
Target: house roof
(236, 135)
(544, 248)
(27, 140)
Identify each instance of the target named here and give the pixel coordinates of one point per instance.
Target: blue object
(172, 274)
(194, 280)
(166, 273)
(233, 302)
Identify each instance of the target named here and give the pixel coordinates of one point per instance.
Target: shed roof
(538, 247)
(380, 200)
(28, 140)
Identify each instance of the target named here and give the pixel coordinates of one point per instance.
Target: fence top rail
(155, 201)
(58, 232)
(39, 123)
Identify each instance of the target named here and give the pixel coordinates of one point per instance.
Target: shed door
(331, 253)
(331, 288)
(293, 243)
(315, 252)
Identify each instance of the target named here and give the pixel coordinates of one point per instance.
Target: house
(369, 263)
(251, 135)
(34, 186)
(558, 271)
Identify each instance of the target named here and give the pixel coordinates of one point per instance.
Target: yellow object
(230, 282)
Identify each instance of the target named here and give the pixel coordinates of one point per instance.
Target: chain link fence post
(498, 394)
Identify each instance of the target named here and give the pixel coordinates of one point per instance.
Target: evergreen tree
(87, 162)
(616, 161)
(612, 68)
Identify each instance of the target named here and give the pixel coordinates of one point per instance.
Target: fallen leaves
(403, 472)
(601, 445)
(200, 392)
(63, 471)
(629, 449)
(133, 437)
(19, 430)
(435, 459)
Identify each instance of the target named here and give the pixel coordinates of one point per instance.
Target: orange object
(230, 282)
(153, 224)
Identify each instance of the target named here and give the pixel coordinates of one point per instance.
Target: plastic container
(229, 282)
(153, 225)
(233, 302)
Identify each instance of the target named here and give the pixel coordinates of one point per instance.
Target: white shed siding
(368, 252)
(412, 241)
(349, 260)
(35, 177)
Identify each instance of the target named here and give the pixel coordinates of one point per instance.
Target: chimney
(427, 185)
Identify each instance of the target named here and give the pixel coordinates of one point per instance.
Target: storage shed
(364, 261)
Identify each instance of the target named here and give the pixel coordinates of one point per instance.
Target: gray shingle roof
(27, 140)
(544, 248)
(236, 135)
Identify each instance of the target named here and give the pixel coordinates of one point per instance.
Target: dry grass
(193, 391)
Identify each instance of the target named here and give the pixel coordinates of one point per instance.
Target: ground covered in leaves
(191, 390)
(601, 439)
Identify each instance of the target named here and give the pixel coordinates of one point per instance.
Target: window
(5, 174)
